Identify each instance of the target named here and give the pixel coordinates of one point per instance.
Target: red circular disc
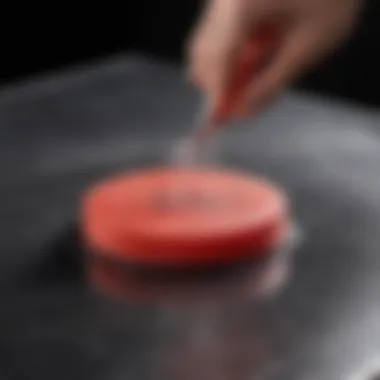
(184, 217)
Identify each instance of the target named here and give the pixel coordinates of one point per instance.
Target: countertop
(60, 133)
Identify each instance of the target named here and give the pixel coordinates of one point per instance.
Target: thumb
(217, 40)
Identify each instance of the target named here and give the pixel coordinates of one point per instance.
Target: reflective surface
(217, 324)
(60, 135)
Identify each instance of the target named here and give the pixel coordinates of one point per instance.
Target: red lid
(184, 217)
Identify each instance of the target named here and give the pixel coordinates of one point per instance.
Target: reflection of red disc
(251, 281)
(184, 217)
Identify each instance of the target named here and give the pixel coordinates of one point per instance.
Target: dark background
(49, 38)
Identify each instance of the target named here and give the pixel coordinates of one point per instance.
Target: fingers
(313, 28)
(307, 41)
(296, 52)
(223, 27)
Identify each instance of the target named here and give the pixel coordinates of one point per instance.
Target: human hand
(308, 31)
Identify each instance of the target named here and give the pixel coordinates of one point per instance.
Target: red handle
(252, 58)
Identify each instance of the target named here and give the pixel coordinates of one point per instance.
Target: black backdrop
(44, 39)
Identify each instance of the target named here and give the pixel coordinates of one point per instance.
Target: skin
(310, 30)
